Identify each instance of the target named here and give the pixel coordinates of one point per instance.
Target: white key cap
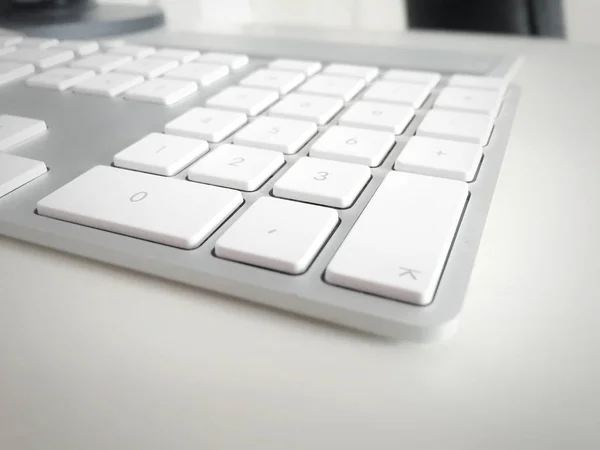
(296, 65)
(15, 130)
(477, 82)
(164, 210)
(365, 73)
(399, 244)
(161, 91)
(322, 181)
(61, 78)
(345, 88)
(315, 108)
(81, 48)
(354, 145)
(470, 100)
(11, 71)
(429, 79)
(181, 56)
(41, 59)
(211, 125)
(108, 84)
(111, 43)
(7, 50)
(149, 67)
(135, 51)
(236, 167)
(39, 43)
(440, 158)
(16, 172)
(9, 41)
(378, 116)
(278, 80)
(454, 125)
(278, 234)
(251, 101)
(102, 62)
(394, 92)
(203, 74)
(161, 154)
(284, 135)
(233, 60)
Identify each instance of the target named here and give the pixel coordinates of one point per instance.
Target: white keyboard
(335, 189)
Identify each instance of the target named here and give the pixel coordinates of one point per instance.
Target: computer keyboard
(346, 183)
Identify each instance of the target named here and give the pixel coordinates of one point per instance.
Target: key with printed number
(284, 135)
(108, 84)
(315, 108)
(411, 94)
(161, 91)
(332, 86)
(158, 209)
(236, 167)
(60, 78)
(209, 124)
(251, 101)
(278, 234)
(378, 116)
(354, 145)
(279, 80)
(454, 125)
(201, 73)
(323, 181)
(398, 246)
(161, 154)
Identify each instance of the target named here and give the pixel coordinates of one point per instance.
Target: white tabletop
(93, 357)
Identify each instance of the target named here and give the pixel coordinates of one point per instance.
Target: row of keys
(397, 261)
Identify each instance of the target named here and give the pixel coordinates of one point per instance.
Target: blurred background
(581, 17)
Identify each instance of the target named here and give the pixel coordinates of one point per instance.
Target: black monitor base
(83, 22)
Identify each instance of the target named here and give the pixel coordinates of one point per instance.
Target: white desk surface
(92, 357)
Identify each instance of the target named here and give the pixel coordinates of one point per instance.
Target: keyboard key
(471, 100)
(278, 80)
(149, 67)
(61, 78)
(7, 50)
(251, 101)
(233, 60)
(111, 43)
(15, 130)
(164, 92)
(454, 125)
(181, 56)
(477, 82)
(135, 51)
(345, 88)
(158, 209)
(353, 145)
(308, 68)
(429, 79)
(322, 181)
(440, 158)
(278, 234)
(399, 244)
(102, 62)
(9, 41)
(411, 94)
(39, 43)
(285, 135)
(236, 167)
(41, 59)
(365, 73)
(313, 108)
(80, 48)
(161, 154)
(11, 71)
(378, 116)
(211, 125)
(108, 84)
(16, 172)
(203, 74)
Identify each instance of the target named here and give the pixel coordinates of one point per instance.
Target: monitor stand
(78, 19)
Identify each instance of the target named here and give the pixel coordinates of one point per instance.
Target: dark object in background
(525, 17)
(76, 19)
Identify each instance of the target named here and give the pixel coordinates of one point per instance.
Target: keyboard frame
(68, 151)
